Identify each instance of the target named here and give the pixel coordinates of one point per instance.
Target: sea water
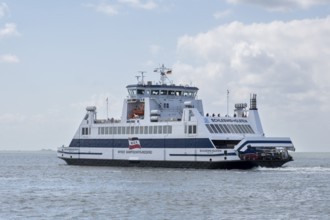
(38, 185)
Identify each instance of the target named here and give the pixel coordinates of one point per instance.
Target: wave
(316, 169)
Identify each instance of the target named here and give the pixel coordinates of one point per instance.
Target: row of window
(228, 128)
(161, 92)
(159, 129)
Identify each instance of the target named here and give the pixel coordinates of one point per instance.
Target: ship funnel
(253, 102)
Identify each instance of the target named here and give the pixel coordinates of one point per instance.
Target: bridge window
(154, 92)
(140, 91)
(163, 92)
(178, 93)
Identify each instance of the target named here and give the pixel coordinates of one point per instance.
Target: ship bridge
(161, 101)
(139, 91)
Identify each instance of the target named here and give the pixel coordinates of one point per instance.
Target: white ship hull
(165, 126)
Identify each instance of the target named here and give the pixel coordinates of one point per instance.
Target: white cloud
(9, 58)
(281, 5)
(149, 5)
(113, 9)
(103, 7)
(8, 31)
(4, 9)
(287, 62)
(12, 118)
(222, 14)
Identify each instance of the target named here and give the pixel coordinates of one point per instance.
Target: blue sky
(57, 57)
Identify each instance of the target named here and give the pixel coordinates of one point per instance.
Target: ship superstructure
(164, 125)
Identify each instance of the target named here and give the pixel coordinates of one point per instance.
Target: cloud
(103, 7)
(4, 9)
(8, 31)
(12, 118)
(114, 9)
(149, 5)
(222, 14)
(281, 5)
(9, 58)
(284, 61)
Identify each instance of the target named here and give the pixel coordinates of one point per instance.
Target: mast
(163, 71)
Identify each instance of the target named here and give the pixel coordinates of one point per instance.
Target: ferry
(164, 125)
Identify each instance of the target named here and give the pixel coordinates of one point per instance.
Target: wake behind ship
(164, 125)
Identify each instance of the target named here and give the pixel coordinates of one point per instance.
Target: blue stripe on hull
(145, 143)
(202, 155)
(85, 153)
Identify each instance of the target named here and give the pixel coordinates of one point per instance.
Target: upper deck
(162, 89)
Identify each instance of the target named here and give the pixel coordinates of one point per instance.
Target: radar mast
(163, 72)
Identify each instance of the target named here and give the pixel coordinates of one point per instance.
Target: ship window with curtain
(160, 129)
(146, 129)
(141, 130)
(150, 129)
(169, 129)
(190, 129)
(165, 129)
(128, 130)
(155, 129)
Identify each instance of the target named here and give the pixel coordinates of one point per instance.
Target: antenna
(227, 102)
(163, 72)
(137, 78)
(142, 76)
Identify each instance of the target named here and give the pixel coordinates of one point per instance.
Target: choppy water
(37, 185)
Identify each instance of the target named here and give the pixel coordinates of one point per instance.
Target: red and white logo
(134, 143)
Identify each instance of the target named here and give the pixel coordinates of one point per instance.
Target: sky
(57, 57)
